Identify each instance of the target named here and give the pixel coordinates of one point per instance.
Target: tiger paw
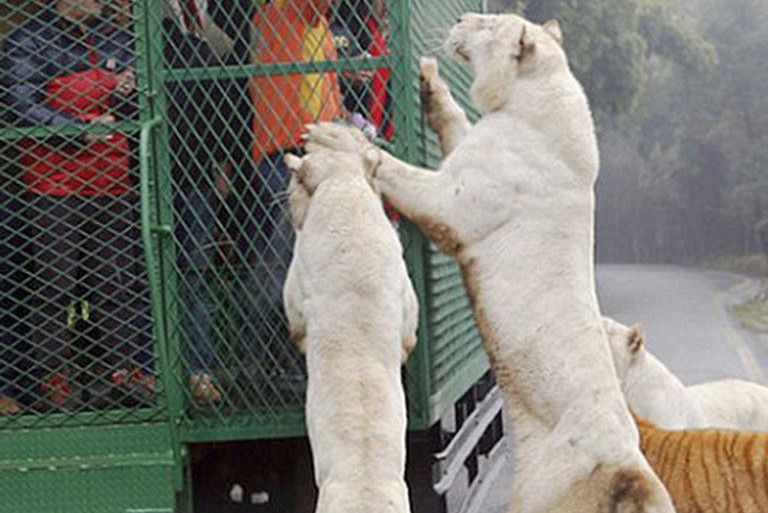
(435, 95)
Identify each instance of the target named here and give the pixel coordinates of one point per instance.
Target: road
(685, 315)
(687, 325)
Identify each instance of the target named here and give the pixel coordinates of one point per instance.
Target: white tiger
(351, 307)
(513, 202)
(658, 396)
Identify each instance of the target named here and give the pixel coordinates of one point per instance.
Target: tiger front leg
(443, 114)
(424, 196)
(410, 318)
(293, 301)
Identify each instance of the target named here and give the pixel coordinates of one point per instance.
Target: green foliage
(610, 42)
(671, 33)
(699, 136)
(678, 88)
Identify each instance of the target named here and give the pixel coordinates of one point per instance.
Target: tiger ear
(297, 166)
(636, 338)
(293, 162)
(552, 27)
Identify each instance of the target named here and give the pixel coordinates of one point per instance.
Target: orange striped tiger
(709, 470)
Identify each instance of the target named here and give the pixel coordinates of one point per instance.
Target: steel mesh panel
(235, 102)
(76, 326)
(106, 469)
(218, 100)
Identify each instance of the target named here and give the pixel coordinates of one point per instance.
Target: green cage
(142, 231)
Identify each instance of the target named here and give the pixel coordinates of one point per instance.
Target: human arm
(293, 300)
(220, 42)
(424, 196)
(24, 76)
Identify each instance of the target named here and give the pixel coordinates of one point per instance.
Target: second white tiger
(351, 307)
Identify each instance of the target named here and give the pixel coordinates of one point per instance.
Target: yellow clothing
(292, 31)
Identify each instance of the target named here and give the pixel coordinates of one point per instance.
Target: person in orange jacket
(283, 32)
(290, 31)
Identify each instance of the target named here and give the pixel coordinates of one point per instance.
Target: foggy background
(678, 89)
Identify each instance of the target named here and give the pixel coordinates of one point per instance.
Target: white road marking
(733, 338)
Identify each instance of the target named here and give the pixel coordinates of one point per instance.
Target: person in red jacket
(380, 101)
(66, 68)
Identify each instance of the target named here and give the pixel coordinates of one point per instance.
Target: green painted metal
(262, 70)
(417, 380)
(114, 416)
(107, 469)
(124, 458)
(456, 358)
(19, 133)
(83, 446)
(150, 36)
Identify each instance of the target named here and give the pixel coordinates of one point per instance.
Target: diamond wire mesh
(231, 119)
(76, 328)
(239, 80)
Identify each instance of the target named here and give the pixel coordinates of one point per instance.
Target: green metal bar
(90, 462)
(148, 510)
(167, 276)
(91, 419)
(286, 68)
(406, 147)
(248, 428)
(39, 132)
(153, 153)
(146, 207)
(419, 364)
(473, 367)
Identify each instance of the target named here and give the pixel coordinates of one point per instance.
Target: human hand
(222, 179)
(126, 82)
(357, 120)
(104, 119)
(365, 76)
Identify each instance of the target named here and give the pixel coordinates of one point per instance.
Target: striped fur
(710, 470)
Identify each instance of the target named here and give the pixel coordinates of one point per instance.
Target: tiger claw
(292, 161)
(309, 130)
(428, 68)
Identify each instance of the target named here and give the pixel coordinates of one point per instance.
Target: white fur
(732, 404)
(514, 203)
(658, 396)
(444, 116)
(351, 307)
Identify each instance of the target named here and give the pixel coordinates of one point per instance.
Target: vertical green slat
(154, 183)
(406, 147)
